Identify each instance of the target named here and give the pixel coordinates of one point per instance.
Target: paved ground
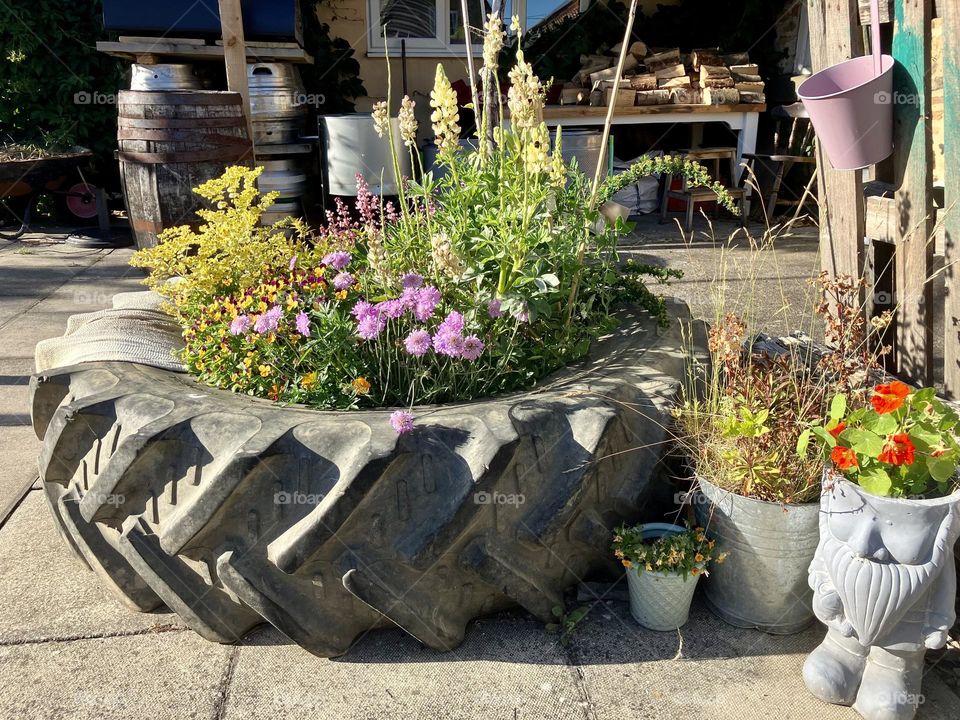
(69, 651)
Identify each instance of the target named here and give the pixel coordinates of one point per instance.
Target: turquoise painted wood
(951, 161)
(913, 169)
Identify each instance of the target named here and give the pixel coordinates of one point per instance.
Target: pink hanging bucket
(851, 106)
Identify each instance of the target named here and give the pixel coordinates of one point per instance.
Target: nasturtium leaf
(838, 406)
(941, 469)
(864, 442)
(876, 481)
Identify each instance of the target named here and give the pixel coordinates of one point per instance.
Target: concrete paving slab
(46, 593)
(507, 668)
(39, 289)
(147, 677)
(709, 670)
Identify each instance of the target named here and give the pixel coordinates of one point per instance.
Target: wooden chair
(793, 141)
(714, 159)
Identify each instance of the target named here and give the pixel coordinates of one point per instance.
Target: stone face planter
(884, 585)
(232, 511)
(660, 600)
(763, 582)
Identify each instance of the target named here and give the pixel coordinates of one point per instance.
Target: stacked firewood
(704, 76)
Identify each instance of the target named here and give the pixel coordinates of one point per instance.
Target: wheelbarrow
(26, 180)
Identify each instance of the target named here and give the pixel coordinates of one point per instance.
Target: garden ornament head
(882, 556)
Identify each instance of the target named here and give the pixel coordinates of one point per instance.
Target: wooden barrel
(170, 142)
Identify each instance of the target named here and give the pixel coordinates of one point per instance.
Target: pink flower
(493, 308)
(472, 347)
(303, 324)
(362, 309)
(427, 300)
(452, 323)
(417, 343)
(370, 326)
(240, 324)
(448, 342)
(269, 321)
(337, 260)
(293, 263)
(392, 309)
(402, 421)
(343, 281)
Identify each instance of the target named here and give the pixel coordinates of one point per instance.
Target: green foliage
(54, 86)
(335, 73)
(565, 622)
(903, 445)
(685, 553)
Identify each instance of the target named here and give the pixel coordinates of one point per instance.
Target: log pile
(662, 76)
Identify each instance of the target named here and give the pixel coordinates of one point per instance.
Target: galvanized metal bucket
(763, 582)
(660, 601)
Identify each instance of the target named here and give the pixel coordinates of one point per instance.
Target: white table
(741, 118)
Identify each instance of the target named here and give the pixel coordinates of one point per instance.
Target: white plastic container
(351, 145)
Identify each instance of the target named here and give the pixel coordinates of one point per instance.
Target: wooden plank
(951, 224)
(913, 170)
(166, 48)
(834, 37)
(886, 10)
(235, 57)
(563, 112)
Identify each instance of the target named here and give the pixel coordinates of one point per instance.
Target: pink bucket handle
(875, 36)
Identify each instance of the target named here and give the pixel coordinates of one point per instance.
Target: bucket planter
(884, 578)
(763, 583)
(851, 107)
(660, 600)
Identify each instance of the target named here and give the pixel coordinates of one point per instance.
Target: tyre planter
(763, 582)
(660, 600)
(885, 587)
(231, 510)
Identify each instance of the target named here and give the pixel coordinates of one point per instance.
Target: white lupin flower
(445, 116)
(408, 122)
(492, 43)
(381, 118)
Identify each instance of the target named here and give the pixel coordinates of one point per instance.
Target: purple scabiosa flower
(370, 326)
(402, 421)
(472, 347)
(523, 314)
(303, 324)
(268, 321)
(449, 343)
(362, 309)
(452, 323)
(343, 281)
(240, 324)
(427, 300)
(409, 298)
(338, 260)
(418, 343)
(391, 309)
(493, 308)
(293, 263)
(411, 280)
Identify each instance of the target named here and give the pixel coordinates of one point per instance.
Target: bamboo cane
(474, 94)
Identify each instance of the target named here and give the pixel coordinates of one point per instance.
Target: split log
(749, 87)
(686, 96)
(748, 78)
(721, 96)
(725, 82)
(713, 72)
(738, 58)
(589, 60)
(705, 56)
(639, 50)
(601, 75)
(670, 71)
(630, 63)
(574, 96)
(749, 69)
(647, 81)
(653, 97)
(753, 98)
(673, 83)
(660, 60)
(625, 97)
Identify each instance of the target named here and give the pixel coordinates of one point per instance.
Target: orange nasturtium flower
(888, 397)
(840, 427)
(898, 450)
(843, 457)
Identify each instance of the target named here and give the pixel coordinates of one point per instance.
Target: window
(435, 28)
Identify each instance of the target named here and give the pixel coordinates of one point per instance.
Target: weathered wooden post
(951, 157)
